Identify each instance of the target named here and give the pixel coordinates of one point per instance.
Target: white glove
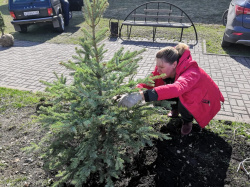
(129, 100)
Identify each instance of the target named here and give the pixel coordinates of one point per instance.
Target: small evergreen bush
(87, 133)
(6, 40)
(2, 25)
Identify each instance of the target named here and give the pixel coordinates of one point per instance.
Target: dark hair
(171, 54)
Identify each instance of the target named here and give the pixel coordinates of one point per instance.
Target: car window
(27, 1)
(239, 2)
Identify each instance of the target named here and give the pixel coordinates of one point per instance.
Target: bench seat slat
(156, 16)
(158, 10)
(156, 24)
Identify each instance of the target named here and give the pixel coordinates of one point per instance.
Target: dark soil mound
(201, 159)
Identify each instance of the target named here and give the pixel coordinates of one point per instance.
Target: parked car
(57, 12)
(224, 18)
(238, 24)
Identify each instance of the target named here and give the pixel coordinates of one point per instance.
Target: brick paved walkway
(23, 65)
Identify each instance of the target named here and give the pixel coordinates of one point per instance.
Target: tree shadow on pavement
(235, 49)
(150, 44)
(19, 43)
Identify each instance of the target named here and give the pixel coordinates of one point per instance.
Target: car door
(75, 5)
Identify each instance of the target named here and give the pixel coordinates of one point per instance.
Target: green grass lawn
(16, 98)
(211, 33)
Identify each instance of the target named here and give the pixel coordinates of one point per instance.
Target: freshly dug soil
(201, 159)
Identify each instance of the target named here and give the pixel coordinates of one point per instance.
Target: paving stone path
(26, 63)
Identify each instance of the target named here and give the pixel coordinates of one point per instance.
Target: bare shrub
(7, 40)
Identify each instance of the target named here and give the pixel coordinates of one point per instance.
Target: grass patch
(212, 34)
(2, 165)
(16, 98)
(230, 129)
(15, 181)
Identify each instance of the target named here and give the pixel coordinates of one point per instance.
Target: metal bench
(158, 14)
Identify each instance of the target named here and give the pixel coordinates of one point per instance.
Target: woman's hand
(129, 100)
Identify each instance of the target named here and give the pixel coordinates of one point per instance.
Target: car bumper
(238, 39)
(17, 23)
(244, 42)
(32, 21)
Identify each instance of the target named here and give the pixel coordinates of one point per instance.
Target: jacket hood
(185, 62)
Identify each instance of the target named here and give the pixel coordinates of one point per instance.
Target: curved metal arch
(151, 2)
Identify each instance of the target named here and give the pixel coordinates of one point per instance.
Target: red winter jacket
(196, 90)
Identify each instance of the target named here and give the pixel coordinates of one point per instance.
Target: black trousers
(185, 114)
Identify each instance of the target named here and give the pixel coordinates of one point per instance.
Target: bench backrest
(158, 11)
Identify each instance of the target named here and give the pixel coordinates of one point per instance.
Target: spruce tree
(2, 25)
(87, 133)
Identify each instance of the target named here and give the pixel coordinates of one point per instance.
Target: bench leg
(154, 32)
(181, 34)
(129, 31)
(120, 31)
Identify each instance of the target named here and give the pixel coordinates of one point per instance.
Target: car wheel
(225, 43)
(24, 28)
(61, 23)
(224, 18)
